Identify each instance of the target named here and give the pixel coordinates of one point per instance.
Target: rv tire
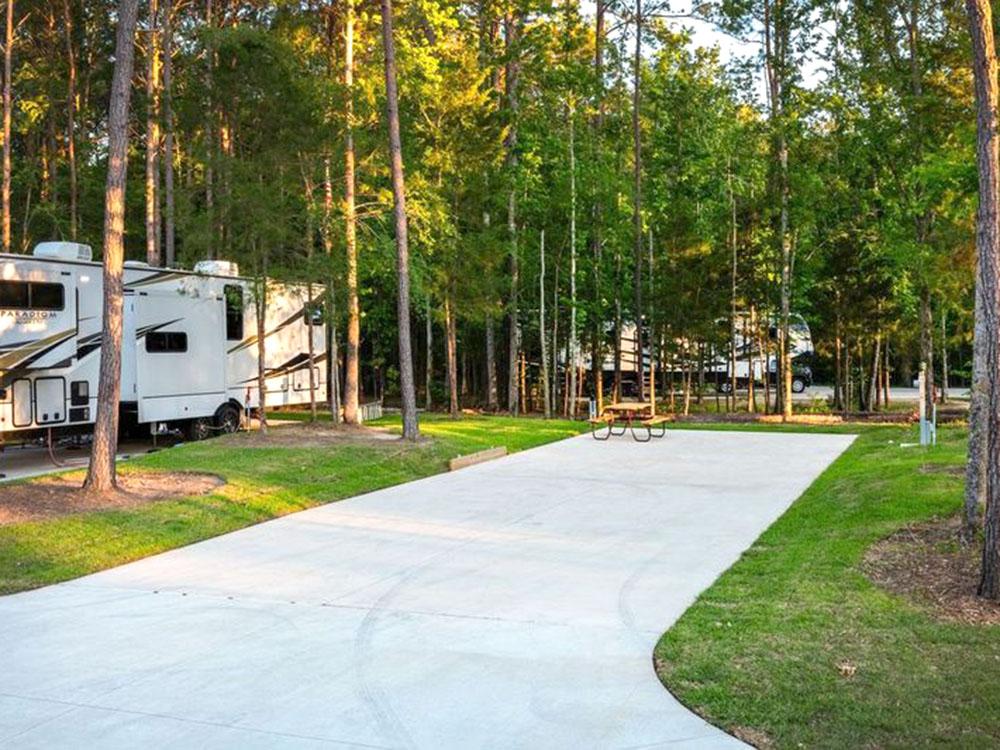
(198, 429)
(798, 385)
(227, 419)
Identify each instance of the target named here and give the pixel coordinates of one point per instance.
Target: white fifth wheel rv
(750, 362)
(189, 344)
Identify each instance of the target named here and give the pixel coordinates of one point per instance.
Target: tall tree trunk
(261, 301)
(71, 104)
(333, 357)
(492, 396)
(153, 136)
(617, 384)
(510, 145)
(597, 233)
(429, 358)
(749, 338)
(542, 334)
(352, 364)
(210, 150)
(944, 355)
(927, 346)
(572, 362)
(637, 198)
(873, 383)
(307, 185)
(452, 346)
(169, 238)
(784, 345)
(732, 306)
(982, 474)
(8, 52)
(410, 428)
(101, 473)
(555, 333)
(979, 393)
(838, 365)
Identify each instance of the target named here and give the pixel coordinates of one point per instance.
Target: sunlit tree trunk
(352, 363)
(597, 233)
(210, 132)
(71, 107)
(944, 355)
(982, 476)
(169, 236)
(333, 358)
(573, 348)
(927, 346)
(510, 146)
(542, 333)
(101, 474)
(492, 391)
(8, 52)
(732, 300)
(429, 358)
(153, 136)
(451, 337)
(410, 428)
(637, 197)
(307, 185)
(870, 399)
(261, 301)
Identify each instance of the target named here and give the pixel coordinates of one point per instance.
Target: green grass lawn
(762, 648)
(262, 482)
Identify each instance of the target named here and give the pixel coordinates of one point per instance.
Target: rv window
(47, 296)
(166, 342)
(36, 295)
(234, 312)
(314, 314)
(14, 294)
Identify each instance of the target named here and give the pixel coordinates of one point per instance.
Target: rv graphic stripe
(155, 278)
(251, 340)
(34, 349)
(296, 364)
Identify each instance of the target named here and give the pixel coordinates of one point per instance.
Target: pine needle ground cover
(794, 646)
(264, 478)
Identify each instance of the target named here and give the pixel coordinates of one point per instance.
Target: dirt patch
(927, 563)
(755, 737)
(52, 497)
(318, 435)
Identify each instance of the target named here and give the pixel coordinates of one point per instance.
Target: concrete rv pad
(513, 604)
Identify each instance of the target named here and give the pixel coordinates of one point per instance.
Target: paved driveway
(514, 604)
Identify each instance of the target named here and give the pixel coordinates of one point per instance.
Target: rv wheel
(198, 429)
(798, 385)
(227, 419)
(724, 386)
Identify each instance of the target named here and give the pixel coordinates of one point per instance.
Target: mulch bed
(929, 565)
(55, 496)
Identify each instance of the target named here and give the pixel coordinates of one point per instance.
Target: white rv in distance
(750, 362)
(189, 344)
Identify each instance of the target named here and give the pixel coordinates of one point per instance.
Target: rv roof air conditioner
(217, 268)
(63, 251)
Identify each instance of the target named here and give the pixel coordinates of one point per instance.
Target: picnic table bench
(618, 418)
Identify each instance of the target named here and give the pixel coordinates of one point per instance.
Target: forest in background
(651, 178)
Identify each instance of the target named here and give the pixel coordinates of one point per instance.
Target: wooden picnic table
(628, 412)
